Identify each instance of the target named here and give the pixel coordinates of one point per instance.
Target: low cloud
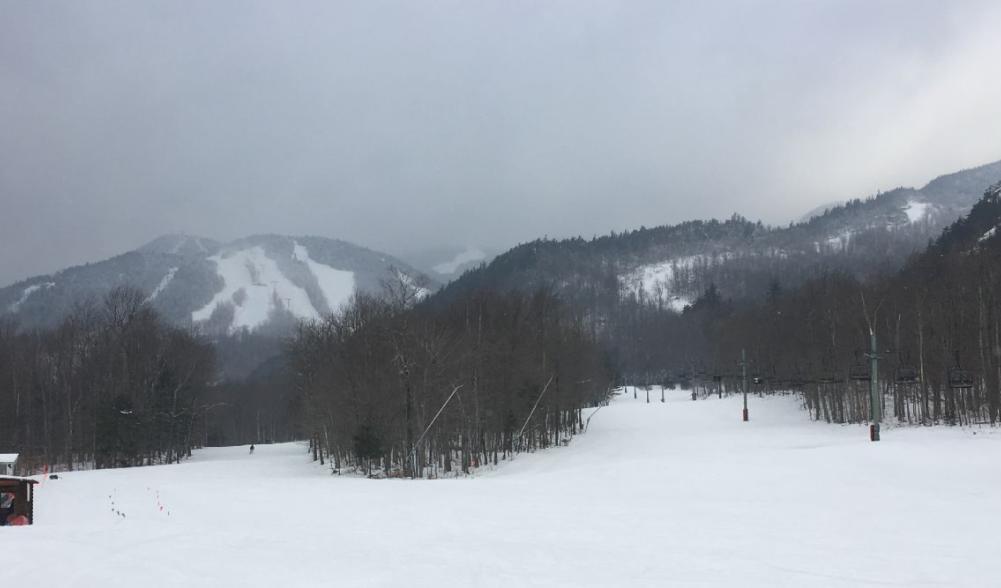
(404, 126)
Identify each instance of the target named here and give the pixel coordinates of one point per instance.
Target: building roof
(8, 457)
(17, 479)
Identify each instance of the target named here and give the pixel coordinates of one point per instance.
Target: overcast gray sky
(407, 125)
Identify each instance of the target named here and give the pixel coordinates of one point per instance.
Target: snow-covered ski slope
(674, 494)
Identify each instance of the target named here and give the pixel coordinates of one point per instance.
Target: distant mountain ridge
(447, 263)
(955, 192)
(671, 265)
(250, 283)
(271, 280)
(938, 203)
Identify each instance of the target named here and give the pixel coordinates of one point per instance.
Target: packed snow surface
(675, 494)
(27, 294)
(470, 255)
(256, 287)
(338, 286)
(167, 279)
(661, 282)
(916, 211)
(419, 292)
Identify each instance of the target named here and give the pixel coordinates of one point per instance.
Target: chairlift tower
(875, 404)
(743, 374)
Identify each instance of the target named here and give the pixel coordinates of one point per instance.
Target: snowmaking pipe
(590, 416)
(413, 452)
(535, 406)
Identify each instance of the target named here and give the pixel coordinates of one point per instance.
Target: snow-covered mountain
(670, 266)
(850, 237)
(271, 279)
(248, 284)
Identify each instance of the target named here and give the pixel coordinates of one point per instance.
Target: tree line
(405, 389)
(397, 386)
(937, 324)
(111, 385)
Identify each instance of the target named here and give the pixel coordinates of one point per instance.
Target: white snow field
(657, 281)
(258, 277)
(916, 211)
(337, 286)
(674, 494)
(167, 279)
(27, 294)
(255, 285)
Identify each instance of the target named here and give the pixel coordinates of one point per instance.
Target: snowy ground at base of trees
(675, 494)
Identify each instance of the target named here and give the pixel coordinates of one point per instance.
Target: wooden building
(19, 493)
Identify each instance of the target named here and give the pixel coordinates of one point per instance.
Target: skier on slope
(251, 449)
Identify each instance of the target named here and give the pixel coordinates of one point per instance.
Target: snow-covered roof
(17, 479)
(8, 457)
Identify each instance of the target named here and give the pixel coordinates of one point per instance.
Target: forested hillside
(504, 358)
(112, 385)
(937, 323)
(670, 266)
(370, 379)
(494, 373)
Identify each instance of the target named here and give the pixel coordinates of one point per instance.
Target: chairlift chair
(960, 379)
(859, 372)
(906, 375)
(830, 378)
